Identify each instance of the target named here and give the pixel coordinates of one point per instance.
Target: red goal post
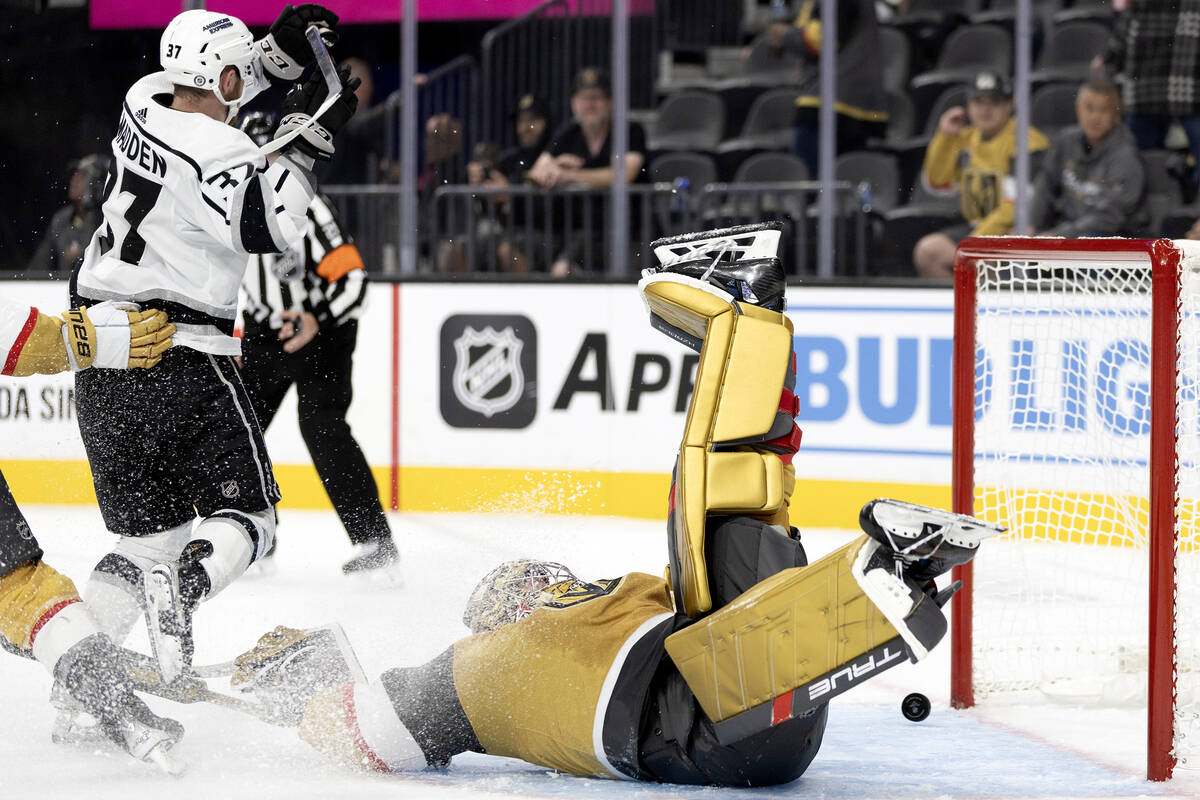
(1031, 316)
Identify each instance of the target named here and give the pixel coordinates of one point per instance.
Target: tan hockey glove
(115, 336)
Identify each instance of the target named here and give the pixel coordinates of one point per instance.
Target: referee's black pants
(321, 372)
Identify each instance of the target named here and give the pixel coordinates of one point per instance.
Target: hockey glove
(287, 666)
(285, 50)
(316, 136)
(115, 336)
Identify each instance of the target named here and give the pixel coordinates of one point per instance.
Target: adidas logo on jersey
(141, 115)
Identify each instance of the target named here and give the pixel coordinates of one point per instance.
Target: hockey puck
(915, 707)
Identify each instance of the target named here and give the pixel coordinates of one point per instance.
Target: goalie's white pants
(116, 597)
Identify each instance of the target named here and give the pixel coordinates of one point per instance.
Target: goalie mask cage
(1075, 424)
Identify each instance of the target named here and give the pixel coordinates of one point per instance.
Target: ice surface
(870, 751)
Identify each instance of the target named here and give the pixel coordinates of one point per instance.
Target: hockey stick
(191, 688)
(333, 85)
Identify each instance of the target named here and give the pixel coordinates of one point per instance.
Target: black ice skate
(735, 265)
(377, 554)
(96, 704)
(923, 542)
(172, 593)
(741, 261)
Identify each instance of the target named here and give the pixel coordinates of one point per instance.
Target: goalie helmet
(198, 45)
(511, 592)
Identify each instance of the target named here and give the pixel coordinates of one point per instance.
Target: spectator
(72, 226)
(861, 103)
(363, 145)
(532, 122)
(1155, 50)
(1091, 181)
(972, 154)
(580, 153)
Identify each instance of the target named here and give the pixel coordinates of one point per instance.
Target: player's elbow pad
(269, 215)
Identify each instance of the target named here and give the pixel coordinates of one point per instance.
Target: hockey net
(1078, 363)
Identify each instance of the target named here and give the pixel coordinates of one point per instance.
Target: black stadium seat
(768, 126)
(689, 120)
(969, 50)
(1069, 52)
(1052, 107)
(697, 169)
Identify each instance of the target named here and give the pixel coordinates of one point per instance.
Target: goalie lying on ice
(720, 674)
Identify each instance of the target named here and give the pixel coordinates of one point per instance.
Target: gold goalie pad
(28, 596)
(744, 360)
(795, 640)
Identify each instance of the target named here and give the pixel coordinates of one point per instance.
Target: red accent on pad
(789, 442)
(671, 499)
(781, 708)
(49, 615)
(352, 723)
(789, 403)
(14, 352)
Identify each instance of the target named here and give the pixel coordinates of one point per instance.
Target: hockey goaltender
(720, 673)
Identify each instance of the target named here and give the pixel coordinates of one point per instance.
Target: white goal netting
(1062, 455)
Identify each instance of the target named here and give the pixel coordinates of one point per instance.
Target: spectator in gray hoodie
(1091, 182)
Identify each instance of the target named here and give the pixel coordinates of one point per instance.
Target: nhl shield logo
(487, 370)
(229, 490)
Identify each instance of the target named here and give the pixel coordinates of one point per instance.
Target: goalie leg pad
(793, 641)
(743, 372)
(743, 551)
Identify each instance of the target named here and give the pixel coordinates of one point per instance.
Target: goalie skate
(923, 542)
(740, 243)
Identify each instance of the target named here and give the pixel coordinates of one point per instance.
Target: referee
(300, 312)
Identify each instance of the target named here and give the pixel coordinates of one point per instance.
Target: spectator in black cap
(580, 153)
(72, 226)
(505, 221)
(972, 155)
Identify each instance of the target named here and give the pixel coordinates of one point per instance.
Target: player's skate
(375, 557)
(923, 542)
(96, 704)
(168, 623)
(732, 264)
(172, 593)
(288, 665)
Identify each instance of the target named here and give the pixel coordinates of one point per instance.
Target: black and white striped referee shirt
(323, 275)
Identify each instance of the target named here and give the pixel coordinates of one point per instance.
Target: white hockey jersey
(188, 199)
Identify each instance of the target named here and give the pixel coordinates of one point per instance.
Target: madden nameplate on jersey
(137, 149)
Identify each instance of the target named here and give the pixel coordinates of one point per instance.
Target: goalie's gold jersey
(533, 690)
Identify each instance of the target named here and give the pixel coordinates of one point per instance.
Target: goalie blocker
(721, 675)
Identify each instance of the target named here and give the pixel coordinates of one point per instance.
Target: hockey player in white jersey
(41, 615)
(189, 197)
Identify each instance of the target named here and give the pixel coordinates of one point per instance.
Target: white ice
(870, 750)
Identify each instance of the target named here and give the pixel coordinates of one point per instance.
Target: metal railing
(453, 89)
(541, 51)
(521, 228)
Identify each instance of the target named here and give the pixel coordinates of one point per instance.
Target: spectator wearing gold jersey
(972, 154)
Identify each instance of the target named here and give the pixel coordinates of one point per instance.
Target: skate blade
(391, 576)
(165, 759)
